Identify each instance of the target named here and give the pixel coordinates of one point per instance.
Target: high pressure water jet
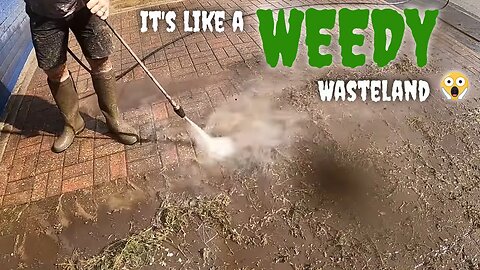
(217, 148)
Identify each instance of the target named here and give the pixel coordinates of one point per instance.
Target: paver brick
(78, 169)
(204, 59)
(118, 166)
(29, 166)
(17, 198)
(139, 116)
(214, 67)
(76, 183)
(203, 46)
(217, 40)
(86, 150)
(201, 55)
(3, 183)
(231, 60)
(101, 170)
(185, 61)
(247, 51)
(168, 154)
(141, 152)
(138, 73)
(143, 166)
(7, 160)
(101, 130)
(160, 55)
(54, 184)
(187, 72)
(49, 161)
(72, 154)
(220, 53)
(193, 48)
(157, 64)
(223, 44)
(39, 187)
(159, 111)
(234, 38)
(12, 143)
(19, 186)
(16, 170)
(231, 51)
(174, 64)
(29, 141)
(245, 37)
(27, 151)
(108, 149)
(216, 97)
(176, 52)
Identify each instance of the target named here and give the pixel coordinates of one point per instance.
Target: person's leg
(58, 74)
(66, 98)
(50, 39)
(95, 39)
(104, 82)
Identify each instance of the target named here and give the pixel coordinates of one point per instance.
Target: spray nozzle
(179, 111)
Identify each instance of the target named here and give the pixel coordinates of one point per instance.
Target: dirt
(361, 186)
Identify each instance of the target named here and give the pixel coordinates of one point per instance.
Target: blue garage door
(15, 45)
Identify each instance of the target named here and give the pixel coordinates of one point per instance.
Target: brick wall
(15, 45)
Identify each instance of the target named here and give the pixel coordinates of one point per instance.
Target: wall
(15, 45)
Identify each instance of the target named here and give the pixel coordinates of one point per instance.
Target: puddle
(77, 222)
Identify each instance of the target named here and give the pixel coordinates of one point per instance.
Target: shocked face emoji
(454, 85)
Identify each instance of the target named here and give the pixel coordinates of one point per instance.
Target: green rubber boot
(105, 86)
(66, 99)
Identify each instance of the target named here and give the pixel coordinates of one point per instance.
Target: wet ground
(364, 186)
(353, 185)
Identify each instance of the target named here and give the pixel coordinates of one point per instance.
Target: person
(50, 21)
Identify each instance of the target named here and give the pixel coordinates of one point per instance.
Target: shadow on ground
(36, 116)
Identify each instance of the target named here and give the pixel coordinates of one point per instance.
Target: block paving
(30, 172)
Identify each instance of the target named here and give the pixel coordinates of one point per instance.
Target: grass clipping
(173, 218)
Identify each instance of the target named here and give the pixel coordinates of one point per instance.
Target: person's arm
(101, 8)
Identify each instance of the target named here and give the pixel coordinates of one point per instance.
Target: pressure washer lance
(217, 148)
(176, 107)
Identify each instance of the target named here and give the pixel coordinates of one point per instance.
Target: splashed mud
(215, 148)
(125, 200)
(256, 127)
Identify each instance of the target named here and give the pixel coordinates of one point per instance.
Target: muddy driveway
(343, 186)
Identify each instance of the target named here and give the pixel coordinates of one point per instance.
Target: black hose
(79, 61)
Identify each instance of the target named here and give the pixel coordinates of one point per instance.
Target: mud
(361, 186)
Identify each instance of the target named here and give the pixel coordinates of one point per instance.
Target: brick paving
(30, 172)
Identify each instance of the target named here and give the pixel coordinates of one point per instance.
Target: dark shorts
(50, 37)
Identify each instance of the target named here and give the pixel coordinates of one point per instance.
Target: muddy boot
(105, 85)
(66, 99)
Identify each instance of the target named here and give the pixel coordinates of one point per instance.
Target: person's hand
(99, 7)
